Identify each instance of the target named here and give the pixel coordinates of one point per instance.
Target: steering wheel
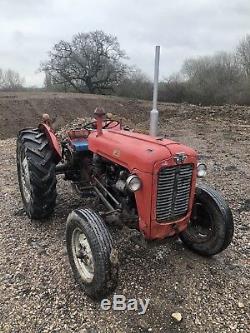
(92, 125)
(110, 121)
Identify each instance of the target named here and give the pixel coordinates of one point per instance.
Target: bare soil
(37, 291)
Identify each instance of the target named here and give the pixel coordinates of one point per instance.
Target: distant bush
(135, 85)
(173, 90)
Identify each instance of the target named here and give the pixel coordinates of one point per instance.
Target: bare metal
(154, 114)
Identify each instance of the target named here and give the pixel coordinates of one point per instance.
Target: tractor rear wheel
(36, 173)
(211, 227)
(91, 254)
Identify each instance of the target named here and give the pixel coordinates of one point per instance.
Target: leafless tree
(10, 80)
(243, 53)
(90, 62)
(173, 89)
(212, 79)
(1, 78)
(135, 85)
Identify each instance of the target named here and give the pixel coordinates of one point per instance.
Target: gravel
(37, 290)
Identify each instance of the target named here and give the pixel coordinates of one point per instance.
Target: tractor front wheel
(91, 254)
(211, 227)
(36, 173)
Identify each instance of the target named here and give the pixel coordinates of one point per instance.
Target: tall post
(154, 114)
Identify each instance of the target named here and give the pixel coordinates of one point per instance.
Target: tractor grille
(173, 192)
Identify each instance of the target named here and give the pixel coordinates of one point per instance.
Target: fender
(54, 143)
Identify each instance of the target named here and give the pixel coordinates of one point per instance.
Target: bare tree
(1, 78)
(173, 89)
(212, 79)
(243, 53)
(10, 80)
(90, 62)
(135, 84)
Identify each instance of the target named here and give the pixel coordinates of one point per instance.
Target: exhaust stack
(154, 114)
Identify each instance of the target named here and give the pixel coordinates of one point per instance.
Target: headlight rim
(200, 175)
(130, 179)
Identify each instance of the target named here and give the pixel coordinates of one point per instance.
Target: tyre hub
(82, 255)
(201, 226)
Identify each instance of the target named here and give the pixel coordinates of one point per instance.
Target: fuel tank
(134, 150)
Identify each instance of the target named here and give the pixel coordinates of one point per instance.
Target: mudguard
(54, 143)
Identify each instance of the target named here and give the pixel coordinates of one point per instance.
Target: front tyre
(91, 255)
(211, 227)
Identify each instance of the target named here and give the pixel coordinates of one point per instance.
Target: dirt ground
(37, 291)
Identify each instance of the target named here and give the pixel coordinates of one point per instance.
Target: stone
(240, 305)
(177, 316)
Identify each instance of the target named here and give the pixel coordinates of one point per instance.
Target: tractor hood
(137, 151)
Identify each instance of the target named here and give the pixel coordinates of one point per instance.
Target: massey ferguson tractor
(146, 182)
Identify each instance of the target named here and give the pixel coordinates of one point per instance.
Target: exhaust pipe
(154, 114)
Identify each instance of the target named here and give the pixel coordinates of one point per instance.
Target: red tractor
(147, 183)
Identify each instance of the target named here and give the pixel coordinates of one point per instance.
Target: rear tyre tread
(35, 146)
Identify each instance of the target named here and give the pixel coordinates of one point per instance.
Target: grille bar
(173, 192)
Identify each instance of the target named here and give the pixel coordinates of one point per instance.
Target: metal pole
(154, 114)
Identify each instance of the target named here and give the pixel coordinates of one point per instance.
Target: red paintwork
(161, 229)
(55, 145)
(144, 155)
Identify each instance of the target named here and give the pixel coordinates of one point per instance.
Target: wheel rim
(25, 178)
(201, 227)
(82, 255)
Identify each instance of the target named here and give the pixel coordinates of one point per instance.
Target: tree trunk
(89, 85)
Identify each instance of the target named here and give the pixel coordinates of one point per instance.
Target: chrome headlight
(133, 183)
(201, 170)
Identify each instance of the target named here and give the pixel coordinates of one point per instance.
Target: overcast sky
(29, 29)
